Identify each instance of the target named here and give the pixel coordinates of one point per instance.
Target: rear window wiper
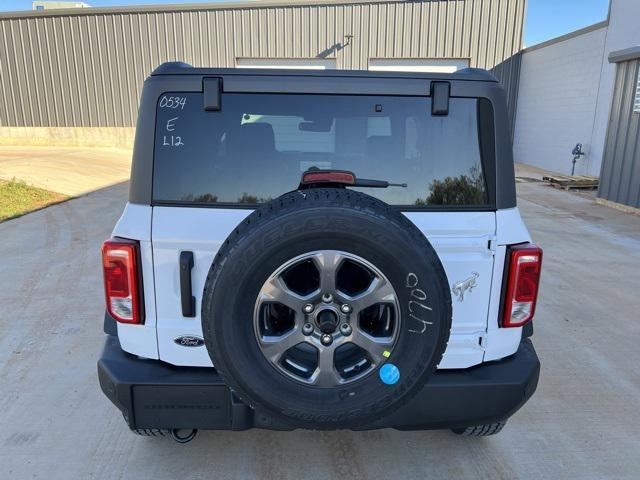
(341, 178)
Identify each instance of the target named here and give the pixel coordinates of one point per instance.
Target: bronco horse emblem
(460, 288)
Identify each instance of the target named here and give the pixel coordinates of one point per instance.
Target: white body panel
(135, 223)
(469, 244)
(202, 231)
(460, 238)
(502, 342)
(510, 229)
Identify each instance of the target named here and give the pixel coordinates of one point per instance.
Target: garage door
(437, 65)
(300, 63)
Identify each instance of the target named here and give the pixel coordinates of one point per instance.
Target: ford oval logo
(189, 341)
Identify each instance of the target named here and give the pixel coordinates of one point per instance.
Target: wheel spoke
(375, 347)
(275, 347)
(276, 291)
(380, 291)
(328, 262)
(325, 374)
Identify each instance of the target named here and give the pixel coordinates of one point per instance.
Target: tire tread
(481, 430)
(291, 202)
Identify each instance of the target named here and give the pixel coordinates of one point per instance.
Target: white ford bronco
(321, 250)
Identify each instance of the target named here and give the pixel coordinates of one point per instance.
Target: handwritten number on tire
(417, 305)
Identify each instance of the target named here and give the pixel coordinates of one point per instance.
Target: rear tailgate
(462, 239)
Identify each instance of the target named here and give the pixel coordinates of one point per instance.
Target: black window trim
(253, 206)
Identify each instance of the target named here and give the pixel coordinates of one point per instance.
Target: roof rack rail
(169, 66)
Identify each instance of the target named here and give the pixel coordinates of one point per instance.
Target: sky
(545, 19)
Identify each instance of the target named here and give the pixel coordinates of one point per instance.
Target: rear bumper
(152, 394)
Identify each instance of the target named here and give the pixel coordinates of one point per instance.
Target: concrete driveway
(71, 171)
(582, 423)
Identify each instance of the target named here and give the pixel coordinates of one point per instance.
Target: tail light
(525, 262)
(121, 279)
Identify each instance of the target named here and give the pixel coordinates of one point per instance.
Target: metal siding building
(85, 67)
(620, 176)
(557, 101)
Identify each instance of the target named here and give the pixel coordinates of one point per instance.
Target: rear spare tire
(326, 309)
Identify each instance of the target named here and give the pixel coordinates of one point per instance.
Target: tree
(204, 198)
(247, 198)
(466, 189)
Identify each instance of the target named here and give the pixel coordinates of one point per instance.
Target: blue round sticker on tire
(389, 374)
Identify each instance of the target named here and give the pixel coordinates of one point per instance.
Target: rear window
(257, 147)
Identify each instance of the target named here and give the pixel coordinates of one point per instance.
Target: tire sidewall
(417, 277)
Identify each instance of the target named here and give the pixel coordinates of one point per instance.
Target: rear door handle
(186, 294)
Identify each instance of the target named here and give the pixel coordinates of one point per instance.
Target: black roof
(181, 68)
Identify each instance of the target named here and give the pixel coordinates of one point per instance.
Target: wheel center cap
(327, 321)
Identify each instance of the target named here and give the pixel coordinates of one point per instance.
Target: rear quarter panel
(135, 224)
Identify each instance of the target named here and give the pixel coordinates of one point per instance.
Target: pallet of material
(567, 182)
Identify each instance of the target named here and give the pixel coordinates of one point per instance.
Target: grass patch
(17, 198)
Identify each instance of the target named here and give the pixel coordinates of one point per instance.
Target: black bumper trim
(110, 326)
(153, 394)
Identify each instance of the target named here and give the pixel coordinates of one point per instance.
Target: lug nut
(327, 298)
(307, 329)
(345, 329)
(308, 308)
(345, 308)
(326, 339)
